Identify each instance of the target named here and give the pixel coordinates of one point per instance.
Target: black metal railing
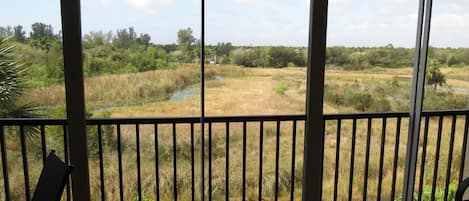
(244, 157)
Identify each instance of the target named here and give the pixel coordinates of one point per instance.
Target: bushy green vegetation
(392, 95)
(126, 51)
(104, 53)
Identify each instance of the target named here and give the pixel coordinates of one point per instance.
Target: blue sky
(258, 22)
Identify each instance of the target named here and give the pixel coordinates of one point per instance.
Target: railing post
(416, 104)
(75, 97)
(202, 100)
(314, 131)
(465, 152)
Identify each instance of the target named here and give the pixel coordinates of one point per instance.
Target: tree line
(126, 51)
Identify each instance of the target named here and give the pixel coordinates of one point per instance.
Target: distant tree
(19, 34)
(6, 32)
(336, 56)
(185, 39)
(144, 39)
(169, 47)
(463, 55)
(42, 35)
(41, 31)
(125, 38)
(223, 49)
(12, 84)
(279, 56)
(188, 46)
(357, 61)
(99, 38)
(453, 60)
(252, 57)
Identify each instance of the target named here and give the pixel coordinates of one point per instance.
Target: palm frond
(12, 85)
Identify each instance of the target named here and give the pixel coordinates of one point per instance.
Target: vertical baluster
(119, 156)
(66, 151)
(202, 161)
(381, 158)
(437, 157)
(450, 156)
(157, 166)
(192, 164)
(210, 161)
(43, 144)
(24, 154)
(367, 158)
(139, 176)
(244, 161)
(293, 155)
(352, 159)
(175, 190)
(101, 162)
(227, 161)
(261, 157)
(277, 156)
(396, 157)
(424, 155)
(337, 159)
(6, 182)
(463, 150)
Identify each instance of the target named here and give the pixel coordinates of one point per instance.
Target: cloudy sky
(258, 22)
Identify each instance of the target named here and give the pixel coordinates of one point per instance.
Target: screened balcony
(408, 155)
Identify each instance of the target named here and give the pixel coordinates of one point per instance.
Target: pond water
(456, 89)
(188, 92)
(178, 95)
(183, 94)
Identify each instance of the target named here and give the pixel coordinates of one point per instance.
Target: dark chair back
(461, 189)
(53, 178)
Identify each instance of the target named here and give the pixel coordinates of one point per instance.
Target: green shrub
(281, 88)
(435, 100)
(376, 69)
(439, 192)
(359, 100)
(380, 105)
(334, 95)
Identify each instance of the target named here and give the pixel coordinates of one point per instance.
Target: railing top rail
(446, 112)
(212, 119)
(33, 121)
(215, 119)
(365, 115)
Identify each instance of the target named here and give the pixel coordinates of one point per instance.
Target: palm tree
(435, 77)
(12, 84)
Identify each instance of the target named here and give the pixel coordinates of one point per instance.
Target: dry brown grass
(243, 92)
(130, 89)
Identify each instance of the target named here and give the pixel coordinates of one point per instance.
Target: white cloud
(339, 5)
(148, 6)
(98, 2)
(451, 20)
(248, 2)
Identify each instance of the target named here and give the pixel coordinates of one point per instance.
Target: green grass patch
(281, 88)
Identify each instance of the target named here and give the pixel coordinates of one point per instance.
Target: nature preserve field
(232, 90)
